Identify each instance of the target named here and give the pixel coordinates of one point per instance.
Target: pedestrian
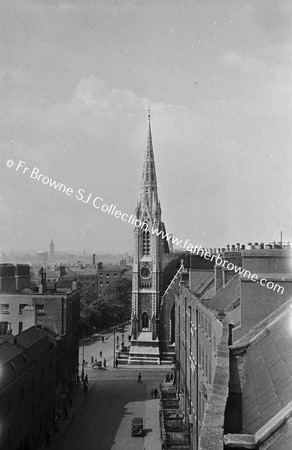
(167, 379)
(155, 392)
(92, 360)
(104, 362)
(100, 353)
(86, 379)
(139, 378)
(117, 362)
(102, 339)
(152, 393)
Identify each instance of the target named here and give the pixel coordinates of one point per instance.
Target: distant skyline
(77, 78)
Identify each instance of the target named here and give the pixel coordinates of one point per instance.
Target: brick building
(57, 311)
(106, 276)
(27, 388)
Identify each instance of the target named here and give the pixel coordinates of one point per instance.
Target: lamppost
(82, 370)
(114, 362)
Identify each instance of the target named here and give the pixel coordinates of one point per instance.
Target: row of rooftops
(264, 374)
(250, 246)
(19, 353)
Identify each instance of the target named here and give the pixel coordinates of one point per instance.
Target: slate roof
(267, 371)
(207, 295)
(283, 439)
(206, 284)
(225, 297)
(19, 353)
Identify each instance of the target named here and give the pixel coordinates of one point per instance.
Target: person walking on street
(100, 353)
(86, 379)
(139, 378)
(155, 392)
(104, 362)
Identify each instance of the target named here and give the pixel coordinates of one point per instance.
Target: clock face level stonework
(145, 272)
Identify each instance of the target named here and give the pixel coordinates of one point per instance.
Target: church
(149, 252)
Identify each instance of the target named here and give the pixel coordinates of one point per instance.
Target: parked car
(137, 427)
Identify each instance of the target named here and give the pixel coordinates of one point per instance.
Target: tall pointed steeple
(149, 195)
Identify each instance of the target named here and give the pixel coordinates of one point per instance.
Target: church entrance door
(145, 321)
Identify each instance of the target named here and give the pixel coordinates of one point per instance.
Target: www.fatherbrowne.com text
(98, 203)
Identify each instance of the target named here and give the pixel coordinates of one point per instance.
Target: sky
(77, 78)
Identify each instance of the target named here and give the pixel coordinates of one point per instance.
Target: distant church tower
(52, 248)
(147, 266)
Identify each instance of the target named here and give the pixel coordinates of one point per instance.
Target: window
(206, 369)
(146, 242)
(107, 283)
(20, 324)
(4, 308)
(115, 275)
(101, 283)
(3, 327)
(40, 309)
(107, 275)
(200, 347)
(200, 407)
(101, 275)
(210, 373)
(21, 306)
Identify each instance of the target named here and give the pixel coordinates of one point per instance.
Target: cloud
(64, 7)
(247, 64)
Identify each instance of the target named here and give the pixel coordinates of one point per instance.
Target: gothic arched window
(146, 243)
(145, 321)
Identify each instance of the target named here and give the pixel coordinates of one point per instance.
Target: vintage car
(137, 427)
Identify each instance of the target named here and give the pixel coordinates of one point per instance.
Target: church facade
(147, 266)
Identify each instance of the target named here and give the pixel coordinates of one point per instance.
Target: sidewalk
(152, 423)
(77, 399)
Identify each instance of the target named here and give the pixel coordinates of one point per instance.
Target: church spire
(149, 195)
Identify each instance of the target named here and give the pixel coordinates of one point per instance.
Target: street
(103, 421)
(107, 347)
